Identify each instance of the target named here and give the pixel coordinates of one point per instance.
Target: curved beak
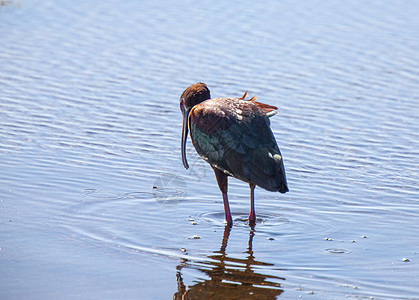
(185, 129)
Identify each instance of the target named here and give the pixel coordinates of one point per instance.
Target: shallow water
(95, 201)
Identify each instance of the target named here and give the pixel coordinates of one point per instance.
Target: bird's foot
(229, 221)
(252, 219)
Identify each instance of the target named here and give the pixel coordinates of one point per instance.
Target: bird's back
(234, 136)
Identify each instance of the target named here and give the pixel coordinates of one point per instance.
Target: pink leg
(227, 212)
(252, 216)
(222, 184)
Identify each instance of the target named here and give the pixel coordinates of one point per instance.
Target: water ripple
(89, 102)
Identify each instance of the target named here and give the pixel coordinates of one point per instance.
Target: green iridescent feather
(243, 147)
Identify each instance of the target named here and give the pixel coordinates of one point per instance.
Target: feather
(244, 96)
(234, 136)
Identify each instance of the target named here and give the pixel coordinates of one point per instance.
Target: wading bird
(233, 135)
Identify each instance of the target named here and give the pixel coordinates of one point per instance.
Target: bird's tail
(268, 171)
(280, 176)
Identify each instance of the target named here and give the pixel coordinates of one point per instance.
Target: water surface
(95, 202)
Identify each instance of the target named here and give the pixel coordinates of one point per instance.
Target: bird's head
(194, 95)
(190, 97)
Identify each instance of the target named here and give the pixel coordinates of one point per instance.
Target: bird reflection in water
(229, 278)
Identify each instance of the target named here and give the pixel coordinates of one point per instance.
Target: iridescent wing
(234, 136)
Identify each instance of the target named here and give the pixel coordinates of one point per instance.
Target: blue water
(95, 202)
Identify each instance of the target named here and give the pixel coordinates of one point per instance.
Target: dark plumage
(234, 137)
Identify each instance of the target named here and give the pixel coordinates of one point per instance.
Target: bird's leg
(252, 216)
(222, 184)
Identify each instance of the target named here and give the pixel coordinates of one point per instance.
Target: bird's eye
(181, 103)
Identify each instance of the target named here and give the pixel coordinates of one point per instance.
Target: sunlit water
(95, 202)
